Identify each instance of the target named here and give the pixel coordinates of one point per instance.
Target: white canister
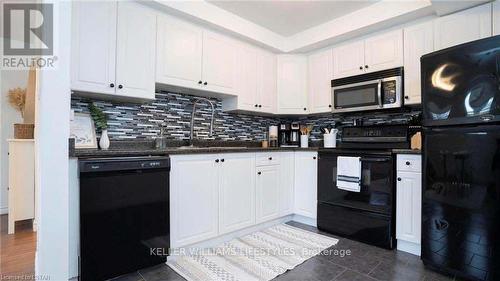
(330, 140)
(304, 141)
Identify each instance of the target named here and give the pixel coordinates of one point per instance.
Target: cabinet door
(236, 191)
(267, 88)
(384, 51)
(306, 178)
(418, 41)
(496, 17)
(349, 59)
(178, 53)
(93, 47)
(268, 195)
(136, 46)
(286, 174)
(194, 197)
(219, 69)
(408, 206)
(247, 78)
(292, 84)
(462, 27)
(320, 76)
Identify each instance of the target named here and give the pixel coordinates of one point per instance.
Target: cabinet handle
(256, 105)
(407, 97)
(330, 106)
(408, 163)
(222, 160)
(399, 179)
(199, 82)
(120, 86)
(216, 160)
(259, 173)
(366, 66)
(111, 85)
(270, 158)
(260, 105)
(205, 83)
(314, 157)
(360, 68)
(305, 108)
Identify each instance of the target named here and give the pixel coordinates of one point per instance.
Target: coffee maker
(289, 135)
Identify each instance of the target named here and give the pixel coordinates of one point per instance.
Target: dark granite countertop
(407, 151)
(147, 148)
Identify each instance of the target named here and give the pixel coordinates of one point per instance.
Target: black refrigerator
(461, 160)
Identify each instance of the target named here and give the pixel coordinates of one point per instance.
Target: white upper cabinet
(379, 52)
(267, 193)
(113, 50)
(236, 191)
(247, 78)
(320, 76)
(266, 82)
(418, 41)
(462, 27)
(219, 68)
(292, 84)
(93, 47)
(349, 59)
(178, 53)
(135, 57)
(496, 17)
(384, 51)
(306, 183)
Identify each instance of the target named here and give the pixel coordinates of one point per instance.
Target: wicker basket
(24, 131)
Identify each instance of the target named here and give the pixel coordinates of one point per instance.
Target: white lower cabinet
(267, 193)
(194, 196)
(236, 191)
(306, 181)
(408, 205)
(286, 175)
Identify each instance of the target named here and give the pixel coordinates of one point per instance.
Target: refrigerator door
(461, 85)
(461, 201)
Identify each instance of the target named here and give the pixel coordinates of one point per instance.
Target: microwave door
(356, 97)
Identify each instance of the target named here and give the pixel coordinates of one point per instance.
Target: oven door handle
(379, 93)
(363, 159)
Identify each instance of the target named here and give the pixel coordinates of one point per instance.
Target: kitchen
(209, 126)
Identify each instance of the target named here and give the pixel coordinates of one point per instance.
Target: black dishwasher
(124, 215)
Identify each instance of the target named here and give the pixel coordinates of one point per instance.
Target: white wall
(51, 149)
(8, 116)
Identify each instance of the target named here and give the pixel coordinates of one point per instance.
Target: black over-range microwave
(371, 91)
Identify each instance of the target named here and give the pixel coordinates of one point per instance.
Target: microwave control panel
(389, 92)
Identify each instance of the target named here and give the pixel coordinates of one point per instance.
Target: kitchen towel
(349, 173)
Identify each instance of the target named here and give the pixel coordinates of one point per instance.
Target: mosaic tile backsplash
(173, 112)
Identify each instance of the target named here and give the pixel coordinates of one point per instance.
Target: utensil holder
(304, 141)
(330, 140)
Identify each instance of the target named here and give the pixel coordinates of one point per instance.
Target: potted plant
(101, 124)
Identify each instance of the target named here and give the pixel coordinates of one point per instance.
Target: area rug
(261, 255)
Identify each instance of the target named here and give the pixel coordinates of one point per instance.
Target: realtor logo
(28, 29)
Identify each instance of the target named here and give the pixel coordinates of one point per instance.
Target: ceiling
(290, 17)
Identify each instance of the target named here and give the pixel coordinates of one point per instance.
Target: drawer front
(267, 158)
(409, 163)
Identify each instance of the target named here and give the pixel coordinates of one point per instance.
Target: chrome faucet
(192, 118)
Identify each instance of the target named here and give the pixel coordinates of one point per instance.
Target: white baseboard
(409, 247)
(227, 237)
(305, 220)
(4, 210)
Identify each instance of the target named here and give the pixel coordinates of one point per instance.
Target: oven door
(377, 183)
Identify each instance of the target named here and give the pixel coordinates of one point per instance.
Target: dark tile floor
(366, 263)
